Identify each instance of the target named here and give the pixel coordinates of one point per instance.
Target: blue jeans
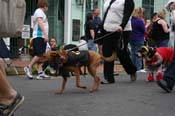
(135, 46)
(169, 75)
(162, 43)
(91, 45)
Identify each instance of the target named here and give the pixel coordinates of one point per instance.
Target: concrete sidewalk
(21, 64)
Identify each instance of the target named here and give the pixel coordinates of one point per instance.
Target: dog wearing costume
(156, 59)
(72, 61)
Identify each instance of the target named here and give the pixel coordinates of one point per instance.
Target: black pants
(169, 73)
(110, 45)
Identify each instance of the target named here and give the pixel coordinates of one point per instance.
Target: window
(148, 5)
(90, 5)
(61, 10)
(95, 3)
(80, 2)
(76, 30)
(31, 5)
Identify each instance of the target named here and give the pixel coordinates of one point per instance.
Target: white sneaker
(39, 77)
(52, 71)
(142, 71)
(28, 72)
(42, 75)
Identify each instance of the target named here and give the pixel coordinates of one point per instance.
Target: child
(52, 45)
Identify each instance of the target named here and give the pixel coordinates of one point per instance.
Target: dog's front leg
(77, 74)
(92, 71)
(60, 91)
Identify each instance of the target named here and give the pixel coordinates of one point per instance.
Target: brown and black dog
(72, 61)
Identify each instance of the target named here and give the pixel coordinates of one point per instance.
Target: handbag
(12, 17)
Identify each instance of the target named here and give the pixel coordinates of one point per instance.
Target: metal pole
(25, 46)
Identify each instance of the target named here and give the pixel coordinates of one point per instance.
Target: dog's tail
(111, 58)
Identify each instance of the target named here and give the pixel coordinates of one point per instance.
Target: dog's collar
(76, 52)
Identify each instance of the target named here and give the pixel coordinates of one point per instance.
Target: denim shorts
(92, 45)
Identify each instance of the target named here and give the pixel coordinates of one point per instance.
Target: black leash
(106, 35)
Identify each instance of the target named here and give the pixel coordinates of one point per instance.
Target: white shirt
(48, 48)
(172, 18)
(115, 15)
(37, 32)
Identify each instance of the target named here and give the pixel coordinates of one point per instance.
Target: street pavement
(124, 98)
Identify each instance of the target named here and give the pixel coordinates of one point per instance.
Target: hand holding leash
(119, 29)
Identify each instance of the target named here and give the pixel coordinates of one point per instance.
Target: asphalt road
(123, 98)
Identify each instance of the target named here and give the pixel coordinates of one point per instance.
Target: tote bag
(12, 14)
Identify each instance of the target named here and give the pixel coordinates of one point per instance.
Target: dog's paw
(93, 90)
(58, 92)
(82, 87)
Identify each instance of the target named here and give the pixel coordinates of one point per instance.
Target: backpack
(12, 14)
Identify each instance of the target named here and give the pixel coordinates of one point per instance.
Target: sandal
(8, 110)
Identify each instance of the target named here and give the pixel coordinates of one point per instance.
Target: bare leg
(34, 60)
(40, 67)
(7, 93)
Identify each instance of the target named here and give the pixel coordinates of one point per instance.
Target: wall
(77, 14)
(138, 3)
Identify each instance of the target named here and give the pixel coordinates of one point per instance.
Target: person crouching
(156, 59)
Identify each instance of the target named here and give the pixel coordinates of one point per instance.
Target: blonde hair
(138, 12)
(162, 14)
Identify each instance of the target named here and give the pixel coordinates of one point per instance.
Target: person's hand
(46, 39)
(156, 64)
(53, 45)
(119, 29)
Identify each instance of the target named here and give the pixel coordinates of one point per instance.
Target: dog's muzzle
(139, 55)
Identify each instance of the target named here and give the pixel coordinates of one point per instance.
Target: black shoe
(163, 84)
(107, 82)
(133, 77)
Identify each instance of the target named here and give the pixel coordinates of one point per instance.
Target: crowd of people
(125, 25)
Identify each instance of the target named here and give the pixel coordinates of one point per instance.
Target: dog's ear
(52, 56)
(63, 52)
(55, 54)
